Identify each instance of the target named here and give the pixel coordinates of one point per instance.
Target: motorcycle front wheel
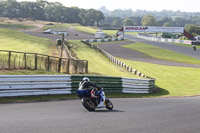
(88, 104)
(109, 104)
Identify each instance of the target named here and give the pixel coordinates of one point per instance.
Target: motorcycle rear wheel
(88, 104)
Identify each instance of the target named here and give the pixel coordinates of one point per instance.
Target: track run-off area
(138, 115)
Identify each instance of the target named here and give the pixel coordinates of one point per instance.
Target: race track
(176, 48)
(130, 115)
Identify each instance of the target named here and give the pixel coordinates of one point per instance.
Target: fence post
(35, 61)
(25, 60)
(9, 60)
(86, 67)
(68, 65)
(59, 65)
(76, 66)
(82, 66)
(48, 63)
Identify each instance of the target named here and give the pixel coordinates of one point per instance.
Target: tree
(31, 9)
(136, 20)
(50, 11)
(180, 22)
(99, 17)
(91, 16)
(128, 22)
(164, 20)
(192, 29)
(10, 8)
(167, 24)
(117, 22)
(149, 20)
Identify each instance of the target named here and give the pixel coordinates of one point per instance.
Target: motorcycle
(91, 103)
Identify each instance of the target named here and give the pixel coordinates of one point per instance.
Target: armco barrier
(116, 61)
(25, 85)
(165, 40)
(103, 40)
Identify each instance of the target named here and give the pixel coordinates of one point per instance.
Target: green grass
(27, 72)
(110, 32)
(17, 26)
(86, 29)
(170, 80)
(99, 64)
(57, 26)
(132, 33)
(186, 45)
(92, 30)
(17, 41)
(163, 54)
(173, 81)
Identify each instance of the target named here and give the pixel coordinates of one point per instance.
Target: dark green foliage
(49, 11)
(192, 29)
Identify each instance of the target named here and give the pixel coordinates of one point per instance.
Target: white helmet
(86, 79)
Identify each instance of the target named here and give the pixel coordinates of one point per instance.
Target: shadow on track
(108, 111)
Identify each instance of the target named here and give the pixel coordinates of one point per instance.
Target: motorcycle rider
(86, 84)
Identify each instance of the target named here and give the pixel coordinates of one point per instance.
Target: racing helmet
(86, 79)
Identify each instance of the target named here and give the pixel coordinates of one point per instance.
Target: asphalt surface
(117, 50)
(72, 34)
(176, 48)
(130, 115)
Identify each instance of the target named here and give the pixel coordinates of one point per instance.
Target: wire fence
(18, 60)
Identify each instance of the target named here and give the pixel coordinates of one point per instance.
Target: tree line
(165, 18)
(56, 12)
(49, 11)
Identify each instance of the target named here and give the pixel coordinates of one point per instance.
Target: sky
(149, 5)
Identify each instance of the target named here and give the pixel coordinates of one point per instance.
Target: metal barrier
(116, 61)
(25, 85)
(189, 42)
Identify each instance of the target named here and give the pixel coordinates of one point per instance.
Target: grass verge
(57, 26)
(186, 45)
(92, 30)
(171, 81)
(99, 64)
(163, 54)
(12, 40)
(27, 72)
(17, 26)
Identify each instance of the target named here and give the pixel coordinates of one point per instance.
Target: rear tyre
(88, 104)
(109, 104)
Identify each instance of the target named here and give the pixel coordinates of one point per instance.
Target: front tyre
(88, 104)
(109, 104)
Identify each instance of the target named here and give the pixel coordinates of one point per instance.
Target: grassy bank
(27, 72)
(171, 80)
(175, 81)
(99, 64)
(187, 45)
(94, 30)
(57, 26)
(17, 41)
(163, 54)
(17, 26)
